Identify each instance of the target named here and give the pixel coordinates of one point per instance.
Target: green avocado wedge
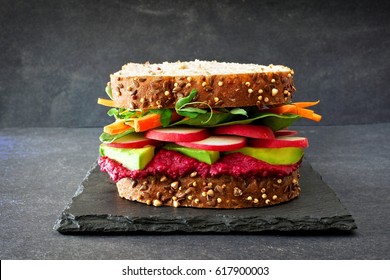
(277, 156)
(132, 159)
(208, 157)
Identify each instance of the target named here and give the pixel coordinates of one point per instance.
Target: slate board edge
(69, 223)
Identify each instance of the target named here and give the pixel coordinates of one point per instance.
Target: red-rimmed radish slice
(177, 134)
(131, 141)
(245, 130)
(217, 143)
(280, 142)
(285, 132)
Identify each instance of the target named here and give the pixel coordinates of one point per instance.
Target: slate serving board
(97, 208)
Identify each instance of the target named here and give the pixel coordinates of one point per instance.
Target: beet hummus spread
(175, 164)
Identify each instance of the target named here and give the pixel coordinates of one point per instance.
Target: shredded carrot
(298, 108)
(106, 102)
(284, 109)
(140, 124)
(308, 114)
(306, 104)
(147, 122)
(151, 121)
(116, 127)
(316, 117)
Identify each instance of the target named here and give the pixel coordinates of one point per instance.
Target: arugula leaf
(191, 112)
(184, 100)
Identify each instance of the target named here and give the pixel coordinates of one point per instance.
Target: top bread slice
(219, 84)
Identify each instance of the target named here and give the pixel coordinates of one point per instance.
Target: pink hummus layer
(175, 164)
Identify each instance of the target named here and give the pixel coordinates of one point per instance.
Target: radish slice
(131, 141)
(246, 130)
(217, 143)
(177, 134)
(280, 142)
(285, 132)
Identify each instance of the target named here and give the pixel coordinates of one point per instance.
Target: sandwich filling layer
(175, 165)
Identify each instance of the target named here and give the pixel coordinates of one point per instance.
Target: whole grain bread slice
(219, 84)
(223, 191)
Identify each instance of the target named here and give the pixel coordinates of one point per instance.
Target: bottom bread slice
(224, 191)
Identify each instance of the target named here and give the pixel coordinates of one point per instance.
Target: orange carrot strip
(309, 114)
(297, 110)
(147, 122)
(284, 109)
(116, 128)
(106, 102)
(305, 113)
(150, 121)
(306, 104)
(316, 117)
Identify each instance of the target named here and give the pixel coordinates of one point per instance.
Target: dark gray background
(55, 59)
(56, 56)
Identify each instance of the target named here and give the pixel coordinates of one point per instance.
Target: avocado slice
(208, 157)
(288, 155)
(132, 159)
(109, 91)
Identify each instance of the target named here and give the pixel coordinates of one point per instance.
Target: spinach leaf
(113, 112)
(273, 121)
(191, 115)
(205, 120)
(194, 110)
(165, 116)
(279, 121)
(191, 112)
(121, 113)
(239, 111)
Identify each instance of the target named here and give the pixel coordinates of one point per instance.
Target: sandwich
(203, 134)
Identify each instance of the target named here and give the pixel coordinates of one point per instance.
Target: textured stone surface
(96, 207)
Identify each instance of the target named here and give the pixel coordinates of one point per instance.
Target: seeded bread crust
(213, 192)
(156, 89)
